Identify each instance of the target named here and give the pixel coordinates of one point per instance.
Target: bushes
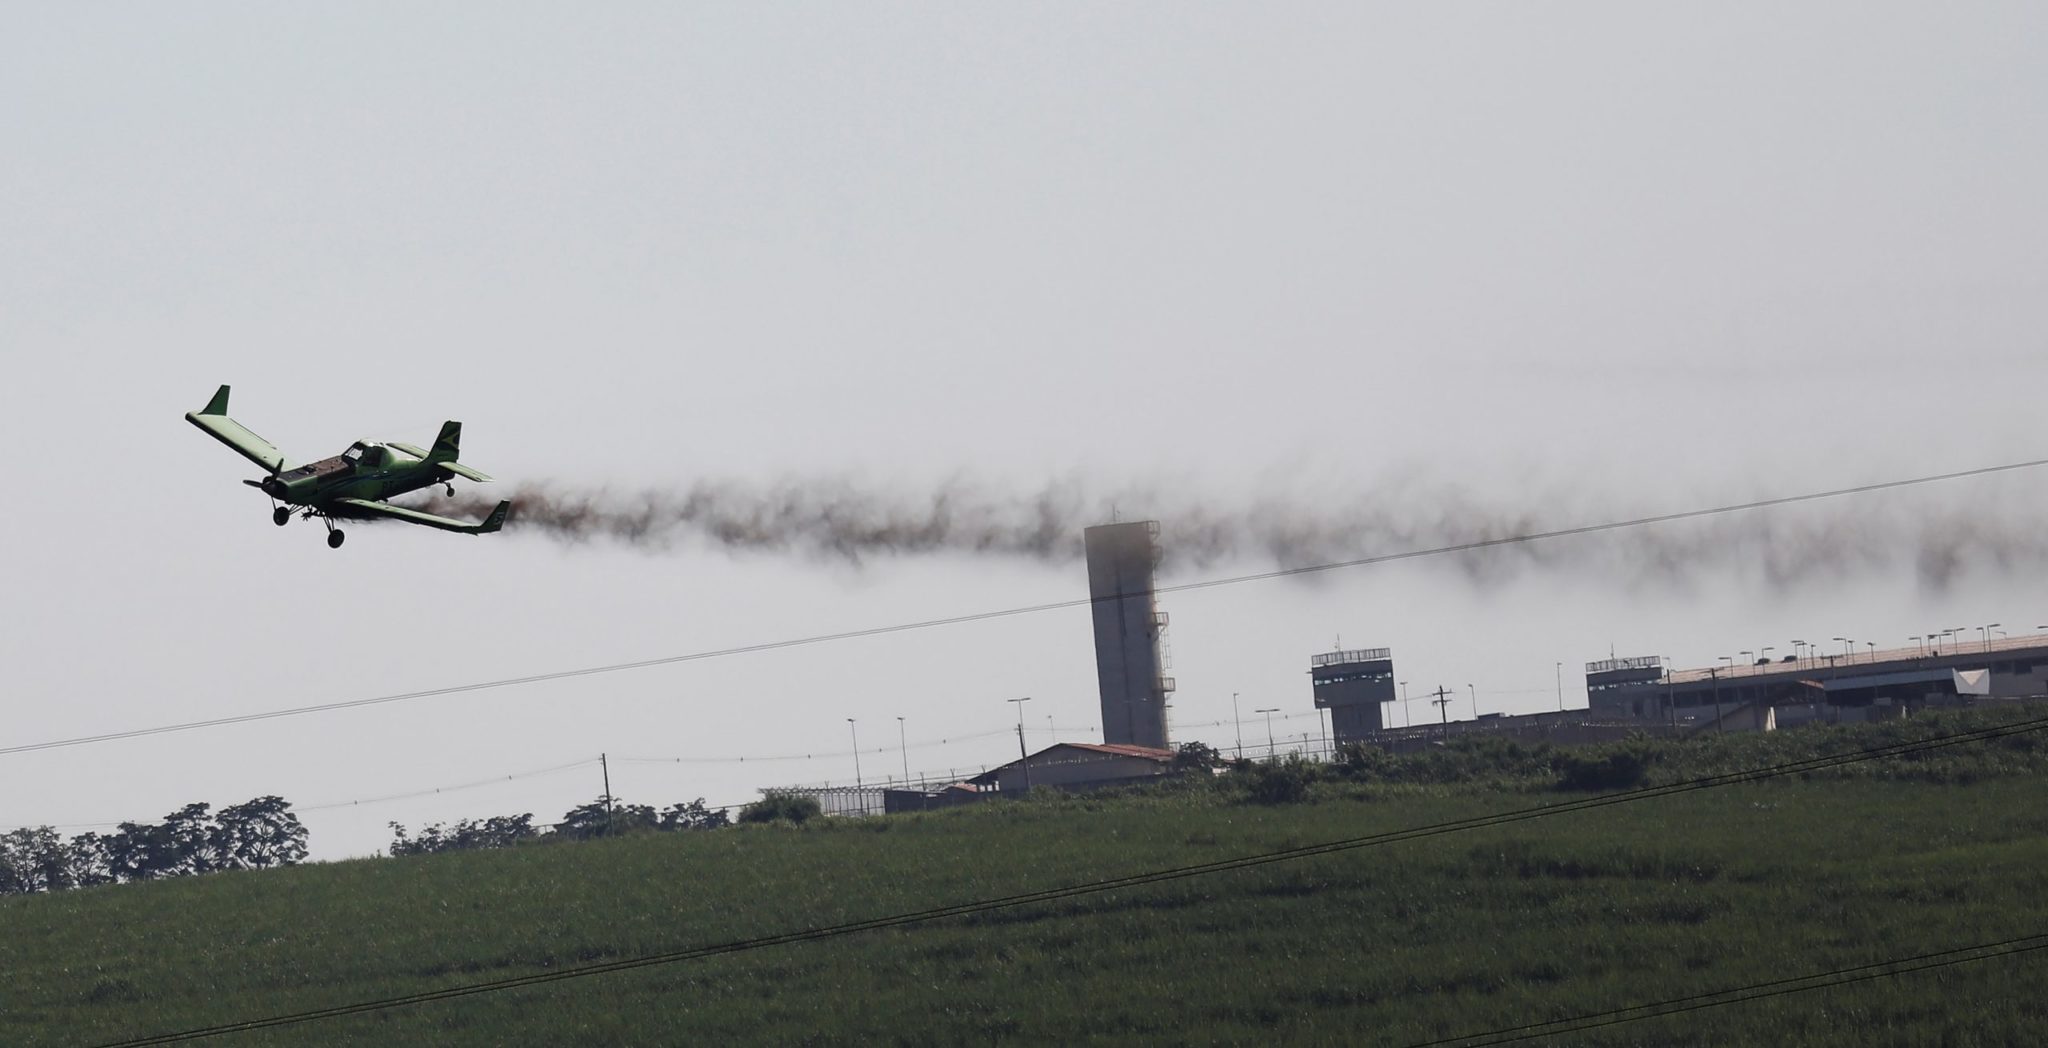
(1619, 767)
(1281, 782)
(785, 807)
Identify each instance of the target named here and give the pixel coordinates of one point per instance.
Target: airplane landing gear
(334, 538)
(451, 491)
(281, 516)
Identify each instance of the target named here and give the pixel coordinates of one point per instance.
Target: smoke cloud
(839, 520)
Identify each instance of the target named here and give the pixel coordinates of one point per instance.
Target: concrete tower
(1353, 685)
(1121, 560)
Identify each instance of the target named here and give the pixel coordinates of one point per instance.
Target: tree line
(603, 817)
(195, 839)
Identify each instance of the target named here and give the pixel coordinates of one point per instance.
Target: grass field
(1394, 945)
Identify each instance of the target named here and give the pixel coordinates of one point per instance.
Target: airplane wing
(215, 421)
(368, 509)
(461, 470)
(456, 468)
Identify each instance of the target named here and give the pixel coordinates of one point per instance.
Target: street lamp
(1235, 719)
(1986, 631)
(1847, 647)
(1919, 643)
(1718, 726)
(1271, 749)
(1872, 645)
(1023, 757)
(856, 752)
(1475, 701)
(1798, 658)
(1404, 699)
(906, 750)
(1560, 687)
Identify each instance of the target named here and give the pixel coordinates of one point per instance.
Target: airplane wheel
(281, 516)
(451, 491)
(334, 539)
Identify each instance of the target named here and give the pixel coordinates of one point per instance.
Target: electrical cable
(1753, 992)
(429, 792)
(1028, 609)
(1169, 874)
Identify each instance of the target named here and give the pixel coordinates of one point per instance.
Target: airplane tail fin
(218, 405)
(497, 518)
(447, 446)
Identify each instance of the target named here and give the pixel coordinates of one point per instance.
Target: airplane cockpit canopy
(363, 454)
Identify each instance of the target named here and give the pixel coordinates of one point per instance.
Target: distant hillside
(1399, 944)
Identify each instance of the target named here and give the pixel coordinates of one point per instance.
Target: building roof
(1120, 749)
(1113, 749)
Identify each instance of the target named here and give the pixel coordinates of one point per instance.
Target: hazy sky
(1566, 260)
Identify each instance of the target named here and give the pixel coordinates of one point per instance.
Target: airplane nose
(273, 487)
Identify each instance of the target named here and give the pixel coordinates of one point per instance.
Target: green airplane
(354, 484)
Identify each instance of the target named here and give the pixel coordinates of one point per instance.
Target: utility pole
(1407, 719)
(1475, 701)
(1443, 702)
(906, 750)
(857, 785)
(1271, 750)
(610, 820)
(1023, 757)
(1560, 687)
(1239, 721)
(1714, 674)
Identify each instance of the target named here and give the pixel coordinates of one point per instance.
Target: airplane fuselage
(365, 471)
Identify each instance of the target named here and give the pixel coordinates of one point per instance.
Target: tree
(87, 861)
(258, 834)
(138, 851)
(785, 807)
(1196, 756)
(189, 842)
(33, 859)
(693, 816)
(498, 831)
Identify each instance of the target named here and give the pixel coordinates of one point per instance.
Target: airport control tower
(1128, 623)
(1353, 684)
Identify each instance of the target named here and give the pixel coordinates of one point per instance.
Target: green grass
(1391, 945)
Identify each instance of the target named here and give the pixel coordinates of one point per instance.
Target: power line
(1028, 609)
(1753, 992)
(382, 799)
(1113, 883)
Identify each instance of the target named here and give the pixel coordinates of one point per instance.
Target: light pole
(1986, 631)
(1239, 721)
(1718, 726)
(1475, 700)
(1405, 721)
(1560, 687)
(1670, 700)
(1848, 646)
(1271, 750)
(1872, 645)
(1023, 757)
(1919, 643)
(855, 732)
(1798, 657)
(906, 750)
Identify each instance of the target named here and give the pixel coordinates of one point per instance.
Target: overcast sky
(1565, 261)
